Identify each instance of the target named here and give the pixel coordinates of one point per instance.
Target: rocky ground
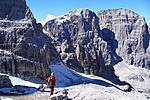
(84, 92)
(34, 96)
(96, 89)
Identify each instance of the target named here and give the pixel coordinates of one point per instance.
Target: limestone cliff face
(24, 48)
(131, 34)
(78, 40)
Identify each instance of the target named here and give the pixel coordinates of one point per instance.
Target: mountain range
(94, 42)
(83, 40)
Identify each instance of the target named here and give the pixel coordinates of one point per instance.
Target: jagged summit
(83, 12)
(79, 12)
(122, 15)
(119, 11)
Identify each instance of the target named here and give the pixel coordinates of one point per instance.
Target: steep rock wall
(78, 40)
(25, 51)
(131, 34)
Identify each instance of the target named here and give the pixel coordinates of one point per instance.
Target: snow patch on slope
(64, 75)
(48, 18)
(136, 76)
(19, 81)
(63, 18)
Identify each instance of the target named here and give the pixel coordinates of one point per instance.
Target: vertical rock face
(24, 48)
(131, 34)
(78, 40)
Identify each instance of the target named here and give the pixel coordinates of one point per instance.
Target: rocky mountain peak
(83, 13)
(121, 15)
(131, 33)
(79, 42)
(97, 42)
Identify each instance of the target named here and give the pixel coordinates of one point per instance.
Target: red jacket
(53, 80)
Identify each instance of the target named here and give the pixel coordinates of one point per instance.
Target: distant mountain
(131, 35)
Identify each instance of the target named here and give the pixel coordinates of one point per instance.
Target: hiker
(51, 81)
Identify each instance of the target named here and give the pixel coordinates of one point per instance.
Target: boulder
(18, 89)
(126, 88)
(60, 96)
(5, 81)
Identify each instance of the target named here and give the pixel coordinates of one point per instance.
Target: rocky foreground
(86, 42)
(84, 92)
(99, 88)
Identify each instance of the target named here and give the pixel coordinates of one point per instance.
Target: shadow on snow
(115, 82)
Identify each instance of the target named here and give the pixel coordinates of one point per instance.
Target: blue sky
(41, 8)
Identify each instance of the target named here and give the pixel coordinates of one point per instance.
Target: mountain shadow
(114, 82)
(109, 37)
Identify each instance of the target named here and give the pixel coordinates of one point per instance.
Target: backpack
(50, 82)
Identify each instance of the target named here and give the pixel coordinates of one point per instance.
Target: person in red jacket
(51, 81)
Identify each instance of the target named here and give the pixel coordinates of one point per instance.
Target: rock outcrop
(5, 81)
(78, 40)
(24, 48)
(131, 35)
